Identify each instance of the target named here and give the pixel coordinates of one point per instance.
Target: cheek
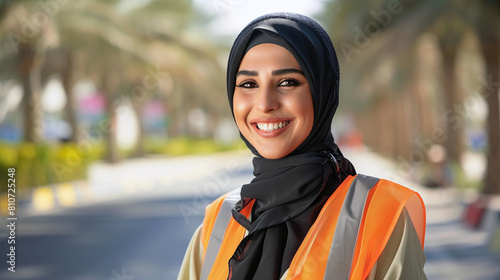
(240, 110)
(302, 106)
(308, 110)
(304, 110)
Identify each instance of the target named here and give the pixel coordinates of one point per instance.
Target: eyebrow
(287, 71)
(274, 72)
(247, 73)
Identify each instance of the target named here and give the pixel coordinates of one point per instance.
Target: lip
(273, 133)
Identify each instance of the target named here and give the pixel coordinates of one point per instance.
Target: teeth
(268, 127)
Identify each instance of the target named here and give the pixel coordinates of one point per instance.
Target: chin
(273, 154)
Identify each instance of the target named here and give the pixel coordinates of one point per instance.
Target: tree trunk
(70, 110)
(387, 123)
(110, 82)
(403, 117)
(177, 115)
(140, 151)
(455, 123)
(490, 46)
(29, 63)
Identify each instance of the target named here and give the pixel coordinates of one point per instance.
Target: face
(272, 101)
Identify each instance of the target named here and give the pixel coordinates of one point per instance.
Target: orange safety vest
(366, 210)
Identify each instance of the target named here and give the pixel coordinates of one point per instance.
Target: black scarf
(289, 192)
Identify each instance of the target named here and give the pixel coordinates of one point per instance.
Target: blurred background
(114, 116)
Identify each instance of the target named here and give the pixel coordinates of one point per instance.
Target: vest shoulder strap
(366, 211)
(222, 234)
(211, 212)
(222, 208)
(386, 202)
(345, 236)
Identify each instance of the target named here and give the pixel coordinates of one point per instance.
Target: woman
(306, 214)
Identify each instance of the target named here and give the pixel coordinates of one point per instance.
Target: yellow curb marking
(66, 194)
(4, 211)
(43, 198)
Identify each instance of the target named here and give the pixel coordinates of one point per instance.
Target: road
(126, 232)
(129, 237)
(121, 240)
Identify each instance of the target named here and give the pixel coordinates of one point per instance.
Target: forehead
(268, 55)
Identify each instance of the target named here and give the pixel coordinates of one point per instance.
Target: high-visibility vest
(365, 208)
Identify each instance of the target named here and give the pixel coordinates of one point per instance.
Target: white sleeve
(193, 259)
(403, 256)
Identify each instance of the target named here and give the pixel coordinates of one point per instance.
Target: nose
(267, 99)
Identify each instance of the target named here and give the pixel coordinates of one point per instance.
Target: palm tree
(26, 37)
(486, 18)
(394, 42)
(377, 38)
(151, 36)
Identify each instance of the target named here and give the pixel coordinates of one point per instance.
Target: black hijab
(288, 192)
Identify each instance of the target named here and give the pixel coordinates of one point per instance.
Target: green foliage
(184, 145)
(45, 163)
(49, 163)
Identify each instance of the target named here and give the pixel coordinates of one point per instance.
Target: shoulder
(211, 212)
(229, 198)
(403, 256)
(384, 201)
(389, 193)
(374, 191)
(388, 201)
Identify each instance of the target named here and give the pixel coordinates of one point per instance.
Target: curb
(132, 178)
(49, 197)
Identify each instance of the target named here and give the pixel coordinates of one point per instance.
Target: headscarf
(288, 192)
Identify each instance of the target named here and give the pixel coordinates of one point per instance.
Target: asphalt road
(119, 240)
(138, 227)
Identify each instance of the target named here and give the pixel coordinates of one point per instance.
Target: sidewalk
(139, 178)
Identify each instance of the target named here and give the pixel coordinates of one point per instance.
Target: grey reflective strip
(346, 233)
(220, 225)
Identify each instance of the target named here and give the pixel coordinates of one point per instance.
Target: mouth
(270, 128)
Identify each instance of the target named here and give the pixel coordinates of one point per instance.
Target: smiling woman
(272, 102)
(306, 214)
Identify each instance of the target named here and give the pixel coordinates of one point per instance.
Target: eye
(247, 84)
(289, 83)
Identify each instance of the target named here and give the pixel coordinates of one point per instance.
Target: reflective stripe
(218, 231)
(346, 233)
